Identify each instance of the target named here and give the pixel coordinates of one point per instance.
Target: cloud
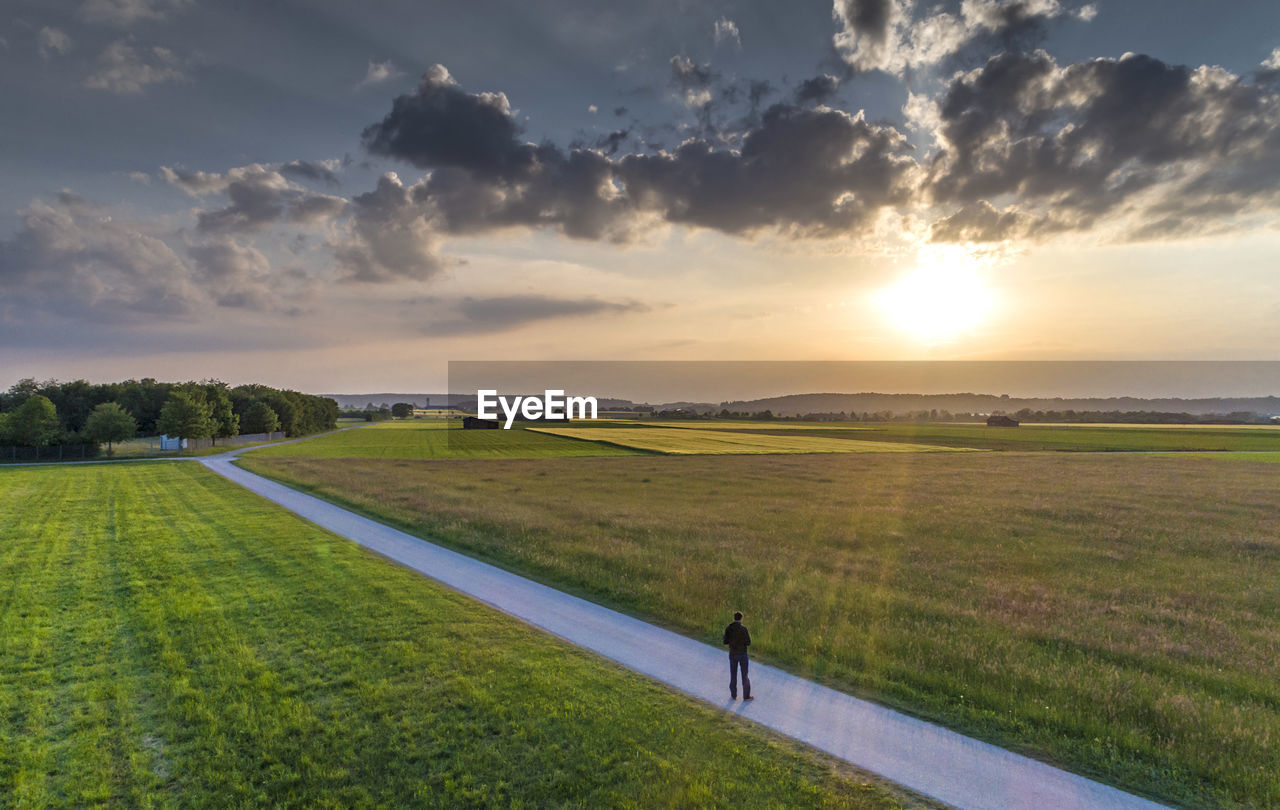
(693, 80)
(726, 30)
(315, 170)
(259, 196)
(127, 12)
(313, 209)
(235, 275)
(504, 313)
(440, 126)
(812, 172)
(613, 141)
(196, 182)
(76, 259)
(803, 172)
(889, 35)
(126, 69)
(981, 222)
(50, 41)
(389, 236)
(377, 73)
(1132, 135)
(817, 90)
(71, 258)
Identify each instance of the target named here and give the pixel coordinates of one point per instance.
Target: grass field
(170, 640)
(435, 439)
(686, 441)
(1153, 438)
(1116, 614)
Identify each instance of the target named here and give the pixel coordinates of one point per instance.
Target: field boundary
(924, 757)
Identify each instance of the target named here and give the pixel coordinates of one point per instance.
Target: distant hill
(799, 404)
(870, 402)
(361, 400)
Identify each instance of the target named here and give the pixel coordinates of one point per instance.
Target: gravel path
(924, 757)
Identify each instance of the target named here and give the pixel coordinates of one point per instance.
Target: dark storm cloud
(806, 172)
(441, 126)
(817, 90)
(1092, 138)
(501, 314)
(870, 18)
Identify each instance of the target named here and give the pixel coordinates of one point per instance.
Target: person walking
(738, 639)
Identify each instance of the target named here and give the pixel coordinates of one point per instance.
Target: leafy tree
(402, 410)
(225, 422)
(34, 423)
(110, 423)
(143, 399)
(186, 414)
(260, 418)
(19, 393)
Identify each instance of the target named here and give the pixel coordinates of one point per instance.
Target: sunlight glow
(944, 296)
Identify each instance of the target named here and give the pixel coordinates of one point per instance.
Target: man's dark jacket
(737, 637)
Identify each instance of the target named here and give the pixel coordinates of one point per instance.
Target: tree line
(36, 414)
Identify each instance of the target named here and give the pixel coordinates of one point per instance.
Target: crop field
(169, 640)
(1116, 614)
(686, 441)
(435, 439)
(1036, 437)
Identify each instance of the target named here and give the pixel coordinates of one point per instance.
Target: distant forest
(35, 414)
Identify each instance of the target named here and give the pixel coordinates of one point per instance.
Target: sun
(943, 297)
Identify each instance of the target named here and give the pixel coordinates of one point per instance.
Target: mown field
(1037, 437)
(1113, 613)
(688, 441)
(436, 439)
(169, 640)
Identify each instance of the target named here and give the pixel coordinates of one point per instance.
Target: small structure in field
(1000, 420)
(476, 423)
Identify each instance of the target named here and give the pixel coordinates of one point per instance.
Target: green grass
(438, 439)
(170, 640)
(686, 441)
(1151, 438)
(1116, 614)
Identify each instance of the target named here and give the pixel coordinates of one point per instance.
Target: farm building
(1000, 420)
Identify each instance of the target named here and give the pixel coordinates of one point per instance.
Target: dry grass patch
(1116, 614)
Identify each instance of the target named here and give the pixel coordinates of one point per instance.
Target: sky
(335, 196)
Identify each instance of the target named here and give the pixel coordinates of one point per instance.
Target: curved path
(924, 757)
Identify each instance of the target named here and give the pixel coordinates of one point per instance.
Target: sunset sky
(343, 196)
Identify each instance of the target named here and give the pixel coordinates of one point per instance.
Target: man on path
(738, 639)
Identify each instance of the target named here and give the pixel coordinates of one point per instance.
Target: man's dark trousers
(737, 662)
